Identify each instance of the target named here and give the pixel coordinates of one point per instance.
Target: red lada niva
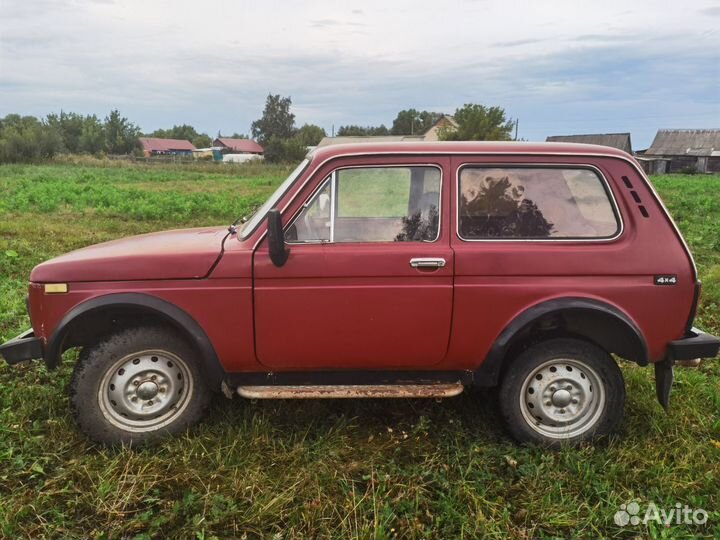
(386, 270)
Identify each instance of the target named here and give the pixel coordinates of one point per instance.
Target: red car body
(361, 308)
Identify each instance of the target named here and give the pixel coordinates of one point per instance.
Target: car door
(369, 280)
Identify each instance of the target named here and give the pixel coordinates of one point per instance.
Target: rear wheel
(562, 391)
(136, 386)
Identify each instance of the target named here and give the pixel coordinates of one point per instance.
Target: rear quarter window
(517, 203)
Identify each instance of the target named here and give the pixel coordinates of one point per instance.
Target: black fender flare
(488, 373)
(170, 313)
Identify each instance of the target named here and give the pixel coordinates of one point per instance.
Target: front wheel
(562, 391)
(136, 386)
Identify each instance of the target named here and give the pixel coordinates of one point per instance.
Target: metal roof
(243, 146)
(155, 144)
(686, 142)
(620, 141)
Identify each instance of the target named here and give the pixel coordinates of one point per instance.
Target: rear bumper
(697, 344)
(23, 347)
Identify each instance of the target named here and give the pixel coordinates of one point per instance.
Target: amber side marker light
(56, 288)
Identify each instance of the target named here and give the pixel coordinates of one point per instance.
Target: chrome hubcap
(562, 398)
(145, 391)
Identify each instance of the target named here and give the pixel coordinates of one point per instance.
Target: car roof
(323, 153)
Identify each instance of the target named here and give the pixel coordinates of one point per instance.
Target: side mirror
(276, 238)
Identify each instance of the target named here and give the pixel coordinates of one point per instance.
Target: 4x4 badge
(665, 279)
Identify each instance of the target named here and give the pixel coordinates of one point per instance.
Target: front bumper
(697, 344)
(23, 347)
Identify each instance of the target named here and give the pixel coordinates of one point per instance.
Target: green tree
(479, 123)
(27, 139)
(351, 131)
(360, 131)
(412, 122)
(202, 140)
(121, 135)
(70, 127)
(310, 134)
(279, 150)
(276, 121)
(92, 137)
(79, 133)
(184, 132)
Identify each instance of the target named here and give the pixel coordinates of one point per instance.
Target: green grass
(328, 469)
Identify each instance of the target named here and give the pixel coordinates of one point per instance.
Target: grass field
(325, 469)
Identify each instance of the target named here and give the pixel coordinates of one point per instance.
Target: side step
(438, 390)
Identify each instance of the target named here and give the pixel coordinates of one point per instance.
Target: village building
(683, 150)
(621, 141)
(154, 146)
(238, 146)
(445, 122)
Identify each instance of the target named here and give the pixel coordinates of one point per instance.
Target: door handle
(427, 262)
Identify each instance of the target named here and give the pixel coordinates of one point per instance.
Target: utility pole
(412, 123)
(517, 121)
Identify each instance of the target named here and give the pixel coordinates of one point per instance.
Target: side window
(534, 202)
(372, 204)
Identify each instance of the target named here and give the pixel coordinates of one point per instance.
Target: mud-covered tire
(561, 392)
(137, 386)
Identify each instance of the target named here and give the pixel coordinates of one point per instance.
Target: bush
(279, 150)
(26, 139)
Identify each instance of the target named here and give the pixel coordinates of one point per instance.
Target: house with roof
(155, 146)
(445, 122)
(238, 146)
(687, 149)
(621, 141)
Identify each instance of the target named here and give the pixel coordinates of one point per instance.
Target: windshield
(259, 215)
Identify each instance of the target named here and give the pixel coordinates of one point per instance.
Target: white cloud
(166, 62)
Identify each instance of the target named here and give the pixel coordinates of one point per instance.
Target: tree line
(474, 123)
(28, 138)
(276, 130)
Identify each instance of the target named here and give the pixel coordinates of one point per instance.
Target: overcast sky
(560, 67)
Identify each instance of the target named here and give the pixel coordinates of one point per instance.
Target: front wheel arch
(102, 315)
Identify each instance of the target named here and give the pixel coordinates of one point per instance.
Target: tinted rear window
(534, 202)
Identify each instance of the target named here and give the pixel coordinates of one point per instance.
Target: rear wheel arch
(589, 319)
(93, 319)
